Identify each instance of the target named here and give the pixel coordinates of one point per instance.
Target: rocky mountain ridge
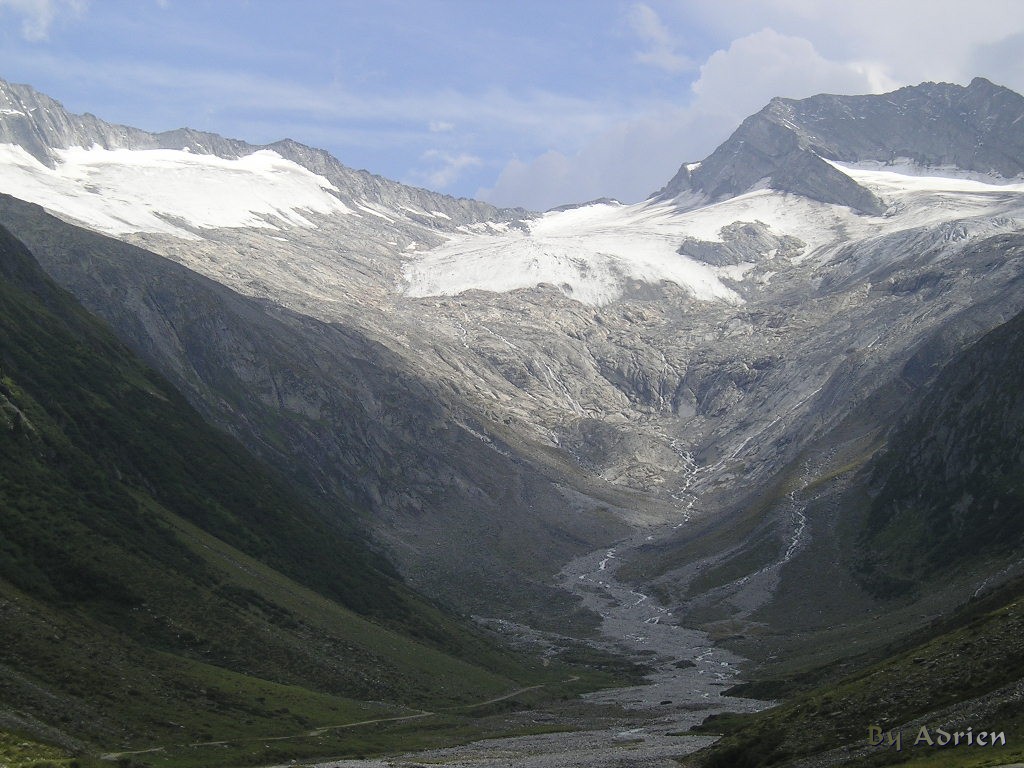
(41, 125)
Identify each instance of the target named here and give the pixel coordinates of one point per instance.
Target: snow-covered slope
(591, 253)
(86, 154)
(588, 253)
(168, 191)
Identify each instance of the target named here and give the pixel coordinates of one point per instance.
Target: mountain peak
(974, 128)
(984, 82)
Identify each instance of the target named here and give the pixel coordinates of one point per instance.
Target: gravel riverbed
(685, 686)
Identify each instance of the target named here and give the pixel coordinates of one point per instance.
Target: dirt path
(325, 728)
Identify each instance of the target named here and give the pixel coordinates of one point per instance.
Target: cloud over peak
(662, 50)
(37, 16)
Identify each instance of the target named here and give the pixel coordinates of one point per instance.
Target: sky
(532, 103)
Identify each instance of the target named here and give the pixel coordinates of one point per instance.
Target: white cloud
(451, 167)
(742, 78)
(440, 126)
(912, 40)
(628, 162)
(547, 117)
(636, 157)
(661, 49)
(791, 48)
(1002, 62)
(38, 15)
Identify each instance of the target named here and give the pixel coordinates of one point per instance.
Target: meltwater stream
(689, 672)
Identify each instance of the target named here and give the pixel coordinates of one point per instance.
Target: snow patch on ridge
(904, 173)
(121, 191)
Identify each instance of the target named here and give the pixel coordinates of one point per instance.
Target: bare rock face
(743, 242)
(974, 128)
(40, 125)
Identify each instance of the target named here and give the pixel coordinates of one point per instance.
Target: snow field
(121, 191)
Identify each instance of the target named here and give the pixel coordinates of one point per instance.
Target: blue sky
(520, 103)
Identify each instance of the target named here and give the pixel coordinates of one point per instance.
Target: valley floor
(651, 721)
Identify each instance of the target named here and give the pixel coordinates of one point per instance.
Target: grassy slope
(965, 671)
(951, 484)
(159, 586)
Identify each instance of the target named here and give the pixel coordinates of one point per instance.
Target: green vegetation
(18, 751)
(160, 589)
(951, 483)
(959, 672)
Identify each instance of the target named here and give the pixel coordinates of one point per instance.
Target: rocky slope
(699, 380)
(341, 414)
(940, 505)
(948, 488)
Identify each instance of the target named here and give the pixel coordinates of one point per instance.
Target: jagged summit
(787, 144)
(40, 125)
